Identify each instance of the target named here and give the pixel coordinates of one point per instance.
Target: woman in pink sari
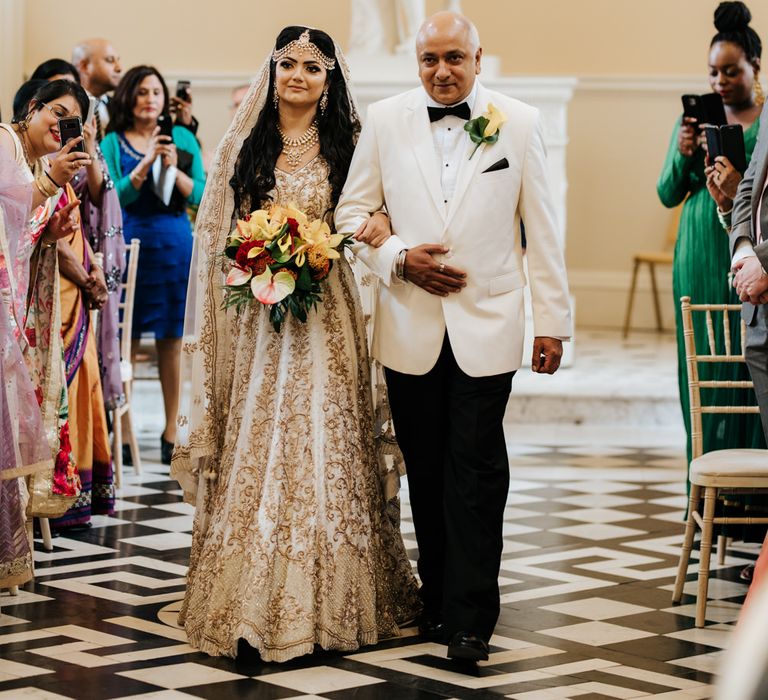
(23, 448)
(34, 310)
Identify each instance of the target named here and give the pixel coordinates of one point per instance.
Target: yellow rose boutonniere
(485, 128)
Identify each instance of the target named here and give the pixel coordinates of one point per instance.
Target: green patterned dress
(700, 270)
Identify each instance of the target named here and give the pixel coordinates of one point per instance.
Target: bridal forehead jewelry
(304, 45)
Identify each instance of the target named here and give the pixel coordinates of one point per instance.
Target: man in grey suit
(749, 253)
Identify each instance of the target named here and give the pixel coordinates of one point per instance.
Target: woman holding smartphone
(157, 175)
(702, 260)
(53, 313)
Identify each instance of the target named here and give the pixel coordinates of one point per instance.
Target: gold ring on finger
(442, 267)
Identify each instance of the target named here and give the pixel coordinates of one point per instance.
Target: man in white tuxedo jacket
(449, 318)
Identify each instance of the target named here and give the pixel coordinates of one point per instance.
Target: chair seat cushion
(724, 464)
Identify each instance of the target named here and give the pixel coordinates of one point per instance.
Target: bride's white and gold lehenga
(292, 545)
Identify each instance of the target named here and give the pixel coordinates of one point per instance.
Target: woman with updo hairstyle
(702, 259)
(296, 542)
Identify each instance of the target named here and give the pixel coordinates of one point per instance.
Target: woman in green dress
(702, 259)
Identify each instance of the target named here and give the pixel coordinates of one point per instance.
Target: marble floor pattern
(592, 531)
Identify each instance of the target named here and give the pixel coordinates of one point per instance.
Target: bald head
(99, 65)
(449, 23)
(448, 51)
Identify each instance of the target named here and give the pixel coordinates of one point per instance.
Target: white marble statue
(379, 26)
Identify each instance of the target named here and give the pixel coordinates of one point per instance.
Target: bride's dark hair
(254, 174)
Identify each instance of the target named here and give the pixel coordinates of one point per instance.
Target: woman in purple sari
(102, 224)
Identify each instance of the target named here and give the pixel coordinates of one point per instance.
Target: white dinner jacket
(395, 164)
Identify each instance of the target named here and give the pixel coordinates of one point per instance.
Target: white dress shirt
(450, 141)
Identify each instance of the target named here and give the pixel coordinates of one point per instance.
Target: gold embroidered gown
(298, 549)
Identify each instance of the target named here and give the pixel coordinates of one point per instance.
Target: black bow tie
(461, 110)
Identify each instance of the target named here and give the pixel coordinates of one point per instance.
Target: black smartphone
(714, 143)
(727, 141)
(166, 125)
(705, 109)
(182, 90)
(691, 106)
(732, 141)
(712, 109)
(71, 128)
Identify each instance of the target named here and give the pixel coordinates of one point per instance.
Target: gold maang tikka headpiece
(304, 45)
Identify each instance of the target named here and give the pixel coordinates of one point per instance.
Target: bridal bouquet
(280, 258)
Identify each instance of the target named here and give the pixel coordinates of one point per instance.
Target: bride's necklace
(295, 148)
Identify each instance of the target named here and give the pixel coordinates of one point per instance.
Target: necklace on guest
(295, 148)
(23, 141)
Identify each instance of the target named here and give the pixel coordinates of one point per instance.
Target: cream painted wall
(633, 60)
(230, 36)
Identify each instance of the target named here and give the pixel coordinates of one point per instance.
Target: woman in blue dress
(156, 177)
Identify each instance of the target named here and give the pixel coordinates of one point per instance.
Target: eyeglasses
(56, 110)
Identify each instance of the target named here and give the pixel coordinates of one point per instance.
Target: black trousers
(449, 428)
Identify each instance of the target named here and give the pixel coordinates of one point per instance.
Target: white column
(11, 52)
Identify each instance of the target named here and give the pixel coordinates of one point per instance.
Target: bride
(292, 545)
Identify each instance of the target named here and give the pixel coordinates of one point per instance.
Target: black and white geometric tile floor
(591, 541)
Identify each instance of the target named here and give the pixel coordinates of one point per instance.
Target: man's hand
(433, 277)
(546, 355)
(750, 282)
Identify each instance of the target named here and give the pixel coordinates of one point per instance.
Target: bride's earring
(759, 96)
(324, 100)
(275, 98)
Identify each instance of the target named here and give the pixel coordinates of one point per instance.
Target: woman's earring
(759, 95)
(324, 100)
(275, 98)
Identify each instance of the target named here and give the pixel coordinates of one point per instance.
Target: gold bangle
(45, 186)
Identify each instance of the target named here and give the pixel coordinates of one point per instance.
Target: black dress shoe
(166, 450)
(430, 625)
(468, 647)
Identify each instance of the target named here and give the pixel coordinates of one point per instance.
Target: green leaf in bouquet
(237, 297)
(231, 250)
(277, 316)
(304, 281)
(280, 256)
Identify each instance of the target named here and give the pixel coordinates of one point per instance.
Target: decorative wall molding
(659, 84)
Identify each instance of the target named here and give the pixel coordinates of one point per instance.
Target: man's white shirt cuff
(743, 250)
